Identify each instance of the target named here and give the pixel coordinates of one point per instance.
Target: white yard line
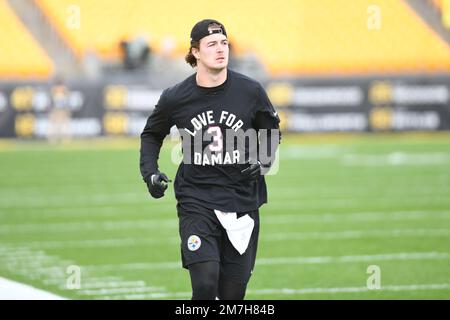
(43, 203)
(12, 290)
(396, 159)
(298, 235)
(101, 285)
(119, 290)
(10, 199)
(413, 287)
(357, 216)
(51, 270)
(357, 234)
(400, 256)
(290, 291)
(112, 288)
(107, 281)
(355, 258)
(165, 214)
(63, 200)
(62, 227)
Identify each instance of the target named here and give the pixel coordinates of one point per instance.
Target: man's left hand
(252, 172)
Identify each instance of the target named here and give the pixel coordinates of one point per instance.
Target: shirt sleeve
(267, 122)
(156, 129)
(265, 116)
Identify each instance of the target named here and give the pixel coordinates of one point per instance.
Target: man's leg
(236, 269)
(204, 280)
(230, 290)
(200, 235)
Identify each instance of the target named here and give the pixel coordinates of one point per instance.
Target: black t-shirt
(213, 182)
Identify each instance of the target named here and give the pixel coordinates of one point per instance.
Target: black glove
(157, 184)
(252, 172)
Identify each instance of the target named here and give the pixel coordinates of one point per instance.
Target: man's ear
(195, 53)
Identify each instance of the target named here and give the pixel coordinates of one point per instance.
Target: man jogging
(229, 132)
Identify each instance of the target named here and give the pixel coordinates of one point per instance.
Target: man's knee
(204, 280)
(205, 289)
(230, 290)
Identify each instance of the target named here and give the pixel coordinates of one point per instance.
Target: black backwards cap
(205, 28)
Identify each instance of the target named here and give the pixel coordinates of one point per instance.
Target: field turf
(337, 205)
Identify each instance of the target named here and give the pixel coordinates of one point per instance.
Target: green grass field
(338, 205)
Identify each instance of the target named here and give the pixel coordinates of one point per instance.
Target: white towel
(239, 230)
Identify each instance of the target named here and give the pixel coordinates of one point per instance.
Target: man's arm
(269, 139)
(157, 127)
(151, 143)
(266, 122)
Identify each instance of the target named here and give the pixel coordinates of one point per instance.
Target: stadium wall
(304, 105)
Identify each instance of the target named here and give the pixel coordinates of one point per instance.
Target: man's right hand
(157, 184)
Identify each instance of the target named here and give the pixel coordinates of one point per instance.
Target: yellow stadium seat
(20, 55)
(290, 37)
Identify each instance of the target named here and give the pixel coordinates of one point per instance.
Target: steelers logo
(194, 242)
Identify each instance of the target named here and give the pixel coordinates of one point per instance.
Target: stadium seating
(333, 36)
(293, 36)
(437, 3)
(20, 55)
(444, 8)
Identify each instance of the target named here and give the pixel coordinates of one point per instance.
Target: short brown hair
(190, 58)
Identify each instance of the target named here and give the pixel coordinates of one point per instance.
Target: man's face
(213, 53)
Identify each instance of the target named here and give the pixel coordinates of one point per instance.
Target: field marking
(298, 235)
(141, 198)
(400, 256)
(60, 282)
(394, 192)
(48, 202)
(396, 159)
(12, 290)
(55, 190)
(52, 200)
(354, 203)
(103, 284)
(165, 208)
(51, 270)
(413, 287)
(118, 290)
(313, 152)
(85, 211)
(63, 227)
(355, 258)
(341, 153)
(268, 218)
(291, 291)
(357, 216)
(10, 199)
(357, 234)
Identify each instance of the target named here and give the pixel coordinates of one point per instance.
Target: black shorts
(204, 239)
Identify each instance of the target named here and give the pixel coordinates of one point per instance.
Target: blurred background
(362, 88)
